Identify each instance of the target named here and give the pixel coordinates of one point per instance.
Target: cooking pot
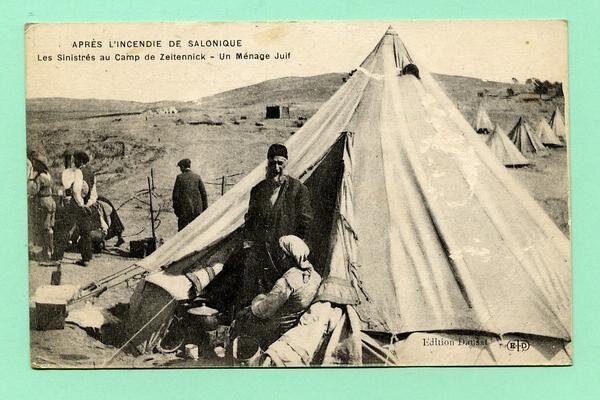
(204, 317)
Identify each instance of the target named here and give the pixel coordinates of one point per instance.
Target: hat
(185, 163)
(277, 150)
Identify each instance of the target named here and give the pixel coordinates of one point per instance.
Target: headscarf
(295, 247)
(39, 161)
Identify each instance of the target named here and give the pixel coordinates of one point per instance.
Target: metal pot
(204, 317)
(246, 351)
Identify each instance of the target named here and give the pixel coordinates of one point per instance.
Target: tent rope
(374, 352)
(393, 339)
(120, 349)
(347, 225)
(378, 350)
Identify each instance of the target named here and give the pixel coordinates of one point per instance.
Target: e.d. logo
(518, 345)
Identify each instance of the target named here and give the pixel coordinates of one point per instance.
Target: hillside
(285, 91)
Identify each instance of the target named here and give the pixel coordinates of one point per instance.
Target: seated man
(274, 313)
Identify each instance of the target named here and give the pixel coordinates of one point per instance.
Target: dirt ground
(73, 346)
(547, 180)
(76, 347)
(225, 137)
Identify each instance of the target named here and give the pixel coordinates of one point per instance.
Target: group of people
(69, 212)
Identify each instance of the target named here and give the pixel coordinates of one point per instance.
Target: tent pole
(152, 176)
(151, 209)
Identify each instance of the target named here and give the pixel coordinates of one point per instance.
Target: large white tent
(420, 232)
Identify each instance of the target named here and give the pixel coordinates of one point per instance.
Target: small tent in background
(557, 123)
(525, 139)
(504, 149)
(483, 124)
(547, 136)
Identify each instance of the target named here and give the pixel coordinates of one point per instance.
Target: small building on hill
(276, 112)
(168, 110)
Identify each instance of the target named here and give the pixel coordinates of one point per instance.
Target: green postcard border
(19, 381)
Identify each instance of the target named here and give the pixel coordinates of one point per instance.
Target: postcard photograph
(298, 194)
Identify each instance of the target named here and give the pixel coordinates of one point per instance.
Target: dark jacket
(189, 196)
(290, 215)
(90, 179)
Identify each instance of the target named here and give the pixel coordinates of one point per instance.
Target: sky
(492, 50)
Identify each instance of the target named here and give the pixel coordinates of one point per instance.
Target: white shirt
(68, 177)
(80, 189)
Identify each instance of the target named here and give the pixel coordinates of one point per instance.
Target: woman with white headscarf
(272, 314)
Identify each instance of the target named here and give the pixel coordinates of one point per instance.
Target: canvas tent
(483, 124)
(547, 136)
(504, 149)
(419, 233)
(525, 139)
(557, 123)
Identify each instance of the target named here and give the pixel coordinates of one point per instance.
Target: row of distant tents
(522, 139)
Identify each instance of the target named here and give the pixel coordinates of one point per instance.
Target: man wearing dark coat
(279, 206)
(85, 196)
(189, 195)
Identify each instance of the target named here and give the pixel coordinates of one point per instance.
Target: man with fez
(189, 195)
(279, 206)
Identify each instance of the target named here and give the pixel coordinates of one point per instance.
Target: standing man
(85, 196)
(279, 206)
(189, 195)
(67, 210)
